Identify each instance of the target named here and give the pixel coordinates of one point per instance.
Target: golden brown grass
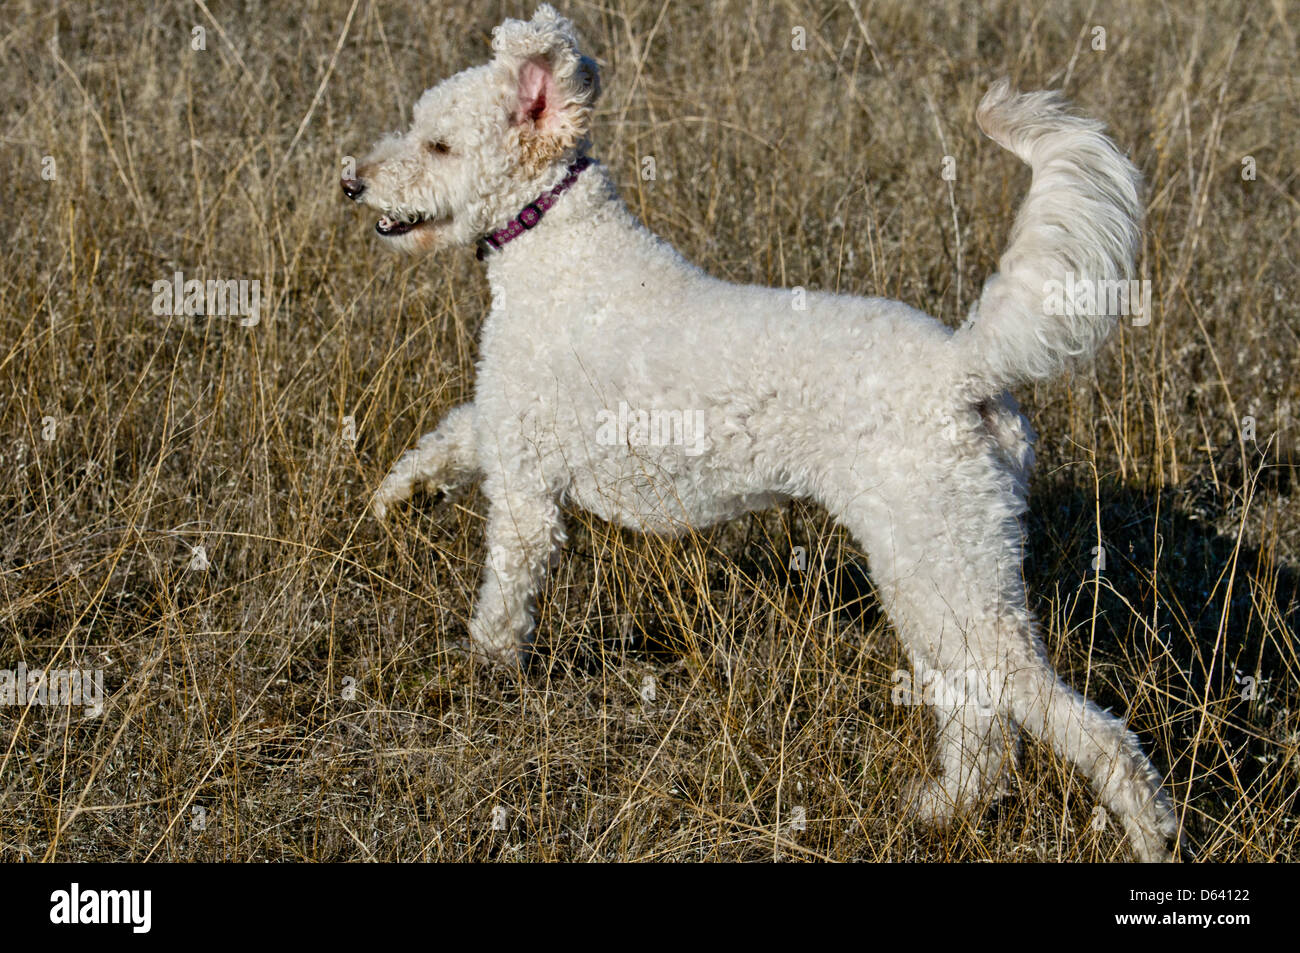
(771, 688)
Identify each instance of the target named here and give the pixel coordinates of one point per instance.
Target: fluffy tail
(1063, 279)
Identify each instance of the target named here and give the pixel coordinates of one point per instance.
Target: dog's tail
(1071, 252)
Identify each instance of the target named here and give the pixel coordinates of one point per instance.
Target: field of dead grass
(295, 689)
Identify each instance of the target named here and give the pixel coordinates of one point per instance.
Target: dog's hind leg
(947, 626)
(442, 459)
(977, 750)
(946, 561)
(1102, 747)
(977, 740)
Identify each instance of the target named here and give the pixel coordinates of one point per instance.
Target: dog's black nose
(353, 188)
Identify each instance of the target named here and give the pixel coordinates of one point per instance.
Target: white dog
(616, 376)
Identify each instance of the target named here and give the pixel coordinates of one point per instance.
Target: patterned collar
(532, 212)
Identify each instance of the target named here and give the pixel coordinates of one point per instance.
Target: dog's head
(485, 142)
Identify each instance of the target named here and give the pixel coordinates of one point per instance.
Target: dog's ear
(555, 84)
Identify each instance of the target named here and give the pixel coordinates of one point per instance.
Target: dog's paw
(397, 489)
(1151, 846)
(927, 800)
(394, 489)
(1154, 837)
(495, 645)
(439, 491)
(937, 800)
(379, 505)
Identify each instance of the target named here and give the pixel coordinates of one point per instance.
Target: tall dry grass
(305, 697)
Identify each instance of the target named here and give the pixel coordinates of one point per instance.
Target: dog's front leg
(523, 533)
(442, 459)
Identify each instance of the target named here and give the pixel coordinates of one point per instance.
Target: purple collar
(532, 212)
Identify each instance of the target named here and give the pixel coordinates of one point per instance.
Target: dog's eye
(438, 148)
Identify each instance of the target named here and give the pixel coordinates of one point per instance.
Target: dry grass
(772, 688)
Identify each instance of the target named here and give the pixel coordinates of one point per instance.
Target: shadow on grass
(1193, 638)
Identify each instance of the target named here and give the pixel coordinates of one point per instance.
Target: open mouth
(391, 226)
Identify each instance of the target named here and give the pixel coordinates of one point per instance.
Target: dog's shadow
(1182, 596)
(1206, 620)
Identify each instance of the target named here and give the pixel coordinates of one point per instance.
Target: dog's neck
(560, 250)
(530, 216)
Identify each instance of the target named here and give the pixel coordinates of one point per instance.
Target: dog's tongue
(386, 222)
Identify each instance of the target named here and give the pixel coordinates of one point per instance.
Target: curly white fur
(899, 427)
(1081, 217)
